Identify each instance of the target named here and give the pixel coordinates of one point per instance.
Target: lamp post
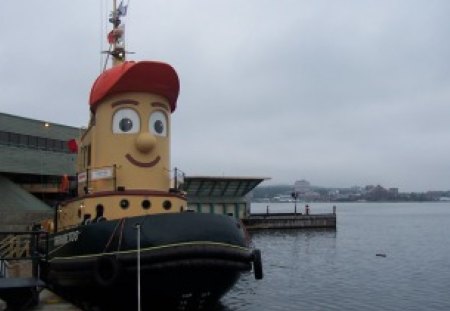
(45, 129)
(295, 196)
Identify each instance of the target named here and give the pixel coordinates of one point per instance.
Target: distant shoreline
(351, 201)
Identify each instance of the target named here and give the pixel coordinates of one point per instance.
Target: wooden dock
(289, 221)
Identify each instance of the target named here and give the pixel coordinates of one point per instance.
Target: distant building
(379, 193)
(302, 186)
(369, 188)
(393, 192)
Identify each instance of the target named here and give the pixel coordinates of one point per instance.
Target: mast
(116, 37)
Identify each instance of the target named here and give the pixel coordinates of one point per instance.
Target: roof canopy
(209, 186)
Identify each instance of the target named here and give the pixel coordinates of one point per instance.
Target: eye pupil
(126, 121)
(125, 124)
(158, 126)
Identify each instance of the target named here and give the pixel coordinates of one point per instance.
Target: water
(339, 270)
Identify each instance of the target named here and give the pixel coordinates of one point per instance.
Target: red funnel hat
(153, 77)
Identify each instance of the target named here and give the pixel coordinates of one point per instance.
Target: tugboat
(127, 239)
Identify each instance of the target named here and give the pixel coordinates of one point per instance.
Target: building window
(29, 141)
(42, 143)
(4, 137)
(14, 138)
(32, 141)
(23, 140)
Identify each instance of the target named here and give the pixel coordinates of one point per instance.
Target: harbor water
(382, 256)
(340, 270)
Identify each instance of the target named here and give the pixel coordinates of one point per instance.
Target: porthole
(124, 203)
(146, 204)
(167, 205)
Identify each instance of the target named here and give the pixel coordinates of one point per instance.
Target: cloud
(336, 92)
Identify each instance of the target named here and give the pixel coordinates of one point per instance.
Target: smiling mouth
(142, 164)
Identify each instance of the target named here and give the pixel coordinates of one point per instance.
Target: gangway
(20, 259)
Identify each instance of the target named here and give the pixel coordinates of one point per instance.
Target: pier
(289, 221)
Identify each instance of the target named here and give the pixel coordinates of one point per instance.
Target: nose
(145, 142)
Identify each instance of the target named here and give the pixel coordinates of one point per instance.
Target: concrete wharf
(289, 221)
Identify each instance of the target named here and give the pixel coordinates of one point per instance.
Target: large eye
(158, 123)
(126, 121)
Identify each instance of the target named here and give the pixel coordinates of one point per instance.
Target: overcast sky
(339, 93)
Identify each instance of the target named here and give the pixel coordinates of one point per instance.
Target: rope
(112, 235)
(121, 234)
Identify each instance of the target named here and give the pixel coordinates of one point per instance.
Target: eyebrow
(124, 102)
(160, 105)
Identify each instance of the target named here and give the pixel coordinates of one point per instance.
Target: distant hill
(367, 193)
(267, 192)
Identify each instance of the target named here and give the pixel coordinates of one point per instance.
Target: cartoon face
(132, 131)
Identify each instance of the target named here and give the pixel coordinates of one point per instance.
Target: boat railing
(94, 174)
(21, 252)
(178, 179)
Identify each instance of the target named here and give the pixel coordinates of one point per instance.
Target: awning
(210, 186)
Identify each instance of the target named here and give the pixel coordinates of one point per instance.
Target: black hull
(187, 262)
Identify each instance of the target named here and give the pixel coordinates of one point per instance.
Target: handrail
(14, 246)
(87, 176)
(23, 245)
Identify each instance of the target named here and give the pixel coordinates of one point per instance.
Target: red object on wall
(72, 145)
(64, 186)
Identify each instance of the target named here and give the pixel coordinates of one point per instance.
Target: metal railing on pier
(18, 246)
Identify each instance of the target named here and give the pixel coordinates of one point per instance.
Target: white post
(138, 227)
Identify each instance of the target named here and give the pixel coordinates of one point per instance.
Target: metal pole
(115, 177)
(295, 204)
(138, 227)
(176, 179)
(55, 220)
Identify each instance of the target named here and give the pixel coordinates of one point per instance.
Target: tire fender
(257, 264)
(107, 270)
